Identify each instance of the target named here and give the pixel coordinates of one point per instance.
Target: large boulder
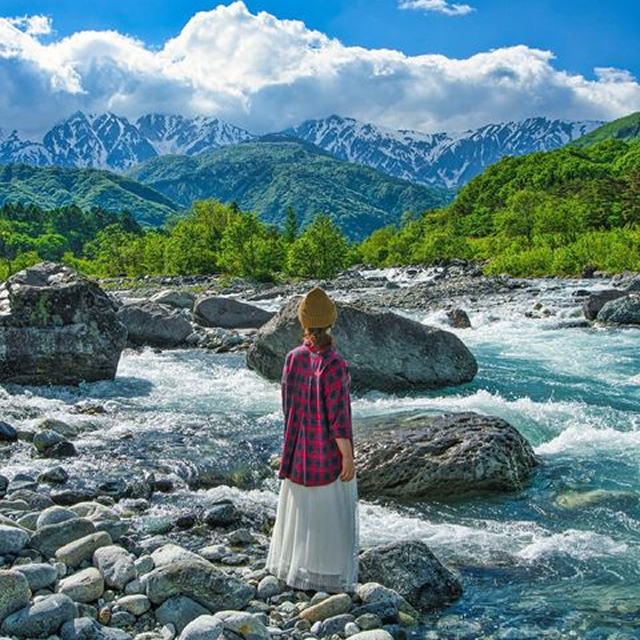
(385, 351)
(592, 306)
(624, 310)
(153, 324)
(229, 313)
(57, 327)
(410, 568)
(449, 456)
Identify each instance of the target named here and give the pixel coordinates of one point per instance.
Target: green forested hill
(51, 187)
(554, 212)
(627, 128)
(269, 177)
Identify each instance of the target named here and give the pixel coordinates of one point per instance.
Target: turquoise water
(561, 559)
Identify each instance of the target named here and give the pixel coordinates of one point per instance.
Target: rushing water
(561, 559)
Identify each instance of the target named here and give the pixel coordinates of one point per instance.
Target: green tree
(291, 226)
(320, 251)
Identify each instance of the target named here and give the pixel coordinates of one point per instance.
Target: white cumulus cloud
(437, 6)
(265, 74)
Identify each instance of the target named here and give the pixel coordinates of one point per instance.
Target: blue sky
(434, 65)
(582, 33)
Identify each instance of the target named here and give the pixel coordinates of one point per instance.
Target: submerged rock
(410, 568)
(57, 327)
(385, 351)
(229, 313)
(625, 310)
(453, 455)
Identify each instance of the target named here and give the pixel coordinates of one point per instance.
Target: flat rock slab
(449, 456)
(385, 351)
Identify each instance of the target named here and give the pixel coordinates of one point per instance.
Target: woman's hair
(319, 336)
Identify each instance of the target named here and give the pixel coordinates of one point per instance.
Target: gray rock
(334, 624)
(135, 605)
(169, 553)
(14, 592)
(267, 587)
(56, 475)
(410, 568)
(452, 455)
(7, 432)
(368, 621)
(57, 327)
(85, 586)
(179, 611)
(229, 313)
(385, 351)
(82, 550)
(38, 575)
(327, 608)
(624, 310)
(374, 634)
(59, 426)
(122, 620)
(4, 483)
(40, 619)
(12, 540)
(149, 323)
(49, 538)
(116, 565)
(350, 629)
(592, 306)
(222, 515)
(206, 584)
(203, 628)
(174, 298)
(54, 515)
(243, 624)
(89, 629)
(35, 500)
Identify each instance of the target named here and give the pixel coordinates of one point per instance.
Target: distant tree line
(551, 213)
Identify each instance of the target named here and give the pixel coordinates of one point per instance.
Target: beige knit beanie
(317, 309)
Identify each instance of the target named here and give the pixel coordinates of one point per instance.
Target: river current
(560, 559)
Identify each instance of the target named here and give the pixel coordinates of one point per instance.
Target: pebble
(136, 604)
(241, 537)
(116, 565)
(14, 592)
(267, 587)
(328, 607)
(12, 540)
(42, 618)
(82, 550)
(39, 575)
(85, 586)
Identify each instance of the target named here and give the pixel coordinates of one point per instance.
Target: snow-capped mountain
(440, 159)
(177, 135)
(108, 141)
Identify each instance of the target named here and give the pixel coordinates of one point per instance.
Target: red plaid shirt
(317, 410)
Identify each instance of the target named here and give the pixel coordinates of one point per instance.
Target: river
(560, 559)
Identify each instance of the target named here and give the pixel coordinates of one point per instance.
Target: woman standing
(315, 538)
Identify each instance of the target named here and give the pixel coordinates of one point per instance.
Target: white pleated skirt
(314, 545)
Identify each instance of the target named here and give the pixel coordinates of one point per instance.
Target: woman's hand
(348, 469)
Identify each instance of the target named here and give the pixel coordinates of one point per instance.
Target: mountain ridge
(448, 160)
